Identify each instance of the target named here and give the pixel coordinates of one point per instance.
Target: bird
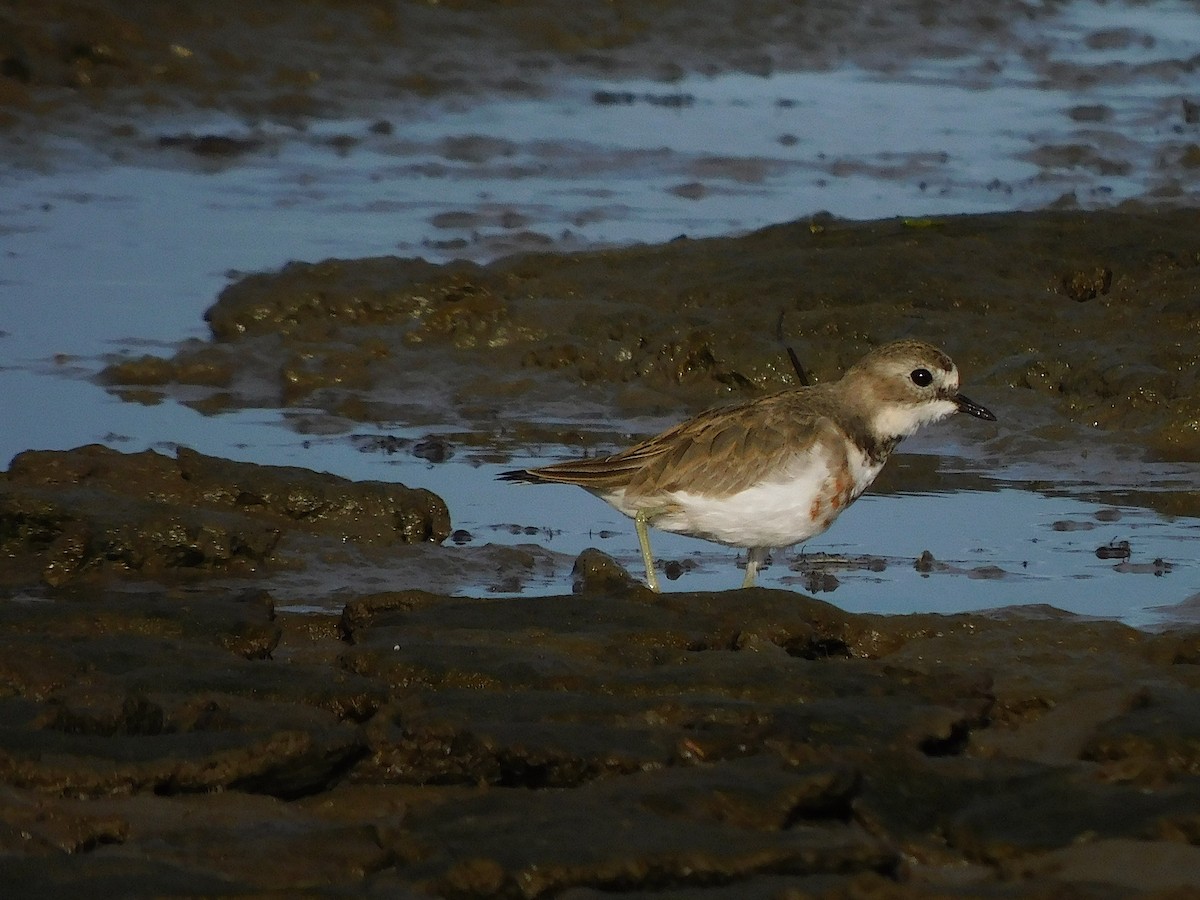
(774, 470)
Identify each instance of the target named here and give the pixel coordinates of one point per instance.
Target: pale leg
(643, 534)
(755, 557)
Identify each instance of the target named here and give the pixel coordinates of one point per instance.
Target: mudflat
(174, 723)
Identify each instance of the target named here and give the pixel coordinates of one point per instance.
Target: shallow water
(123, 250)
(996, 542)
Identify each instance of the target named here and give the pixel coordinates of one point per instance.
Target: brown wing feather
(730, 453)
(719, 452)
(594, 474)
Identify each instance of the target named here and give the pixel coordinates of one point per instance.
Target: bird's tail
(525, 476)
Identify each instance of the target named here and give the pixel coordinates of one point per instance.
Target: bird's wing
(600, 474)
(725, 454)
(719, 452)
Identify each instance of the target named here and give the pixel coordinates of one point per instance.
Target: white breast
(776, 512)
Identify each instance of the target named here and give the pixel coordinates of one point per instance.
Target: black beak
(970, 407)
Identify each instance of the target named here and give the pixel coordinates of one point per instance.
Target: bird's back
(720, 452)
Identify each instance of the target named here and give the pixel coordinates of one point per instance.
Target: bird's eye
(921, 377)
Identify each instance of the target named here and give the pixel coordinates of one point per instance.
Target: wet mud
(166, 738)
(180, 718)
(96, 513)
(69, 59)
(1073, 321)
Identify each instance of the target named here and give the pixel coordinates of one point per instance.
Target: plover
(776, 470)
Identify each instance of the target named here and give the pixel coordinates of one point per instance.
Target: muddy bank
(165, 739)
(1065, 322)
(98, 513)
(65, 61)
(167, 725)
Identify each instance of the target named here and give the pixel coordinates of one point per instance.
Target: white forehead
(947, 377)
